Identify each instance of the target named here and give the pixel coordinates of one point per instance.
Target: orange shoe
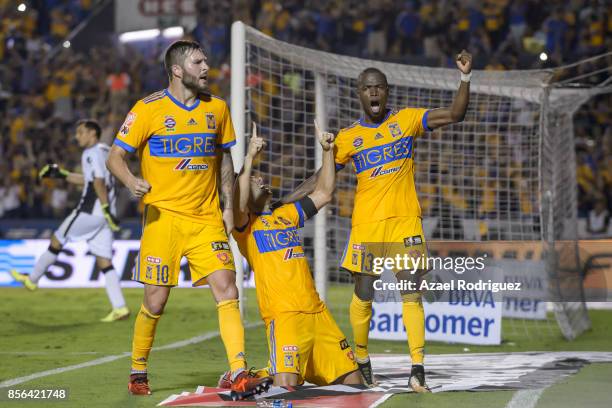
(139, 385)
(246, 385)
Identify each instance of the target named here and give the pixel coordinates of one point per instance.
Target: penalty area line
(525, 398)
(108, 359)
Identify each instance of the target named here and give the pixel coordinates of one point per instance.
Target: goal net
(500, 183)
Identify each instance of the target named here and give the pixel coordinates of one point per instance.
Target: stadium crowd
(45, 88)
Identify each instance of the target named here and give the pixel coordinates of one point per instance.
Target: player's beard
(191, 82)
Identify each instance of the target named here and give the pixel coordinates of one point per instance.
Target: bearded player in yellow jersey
(304, 341)
(182, 135)
(387, 211)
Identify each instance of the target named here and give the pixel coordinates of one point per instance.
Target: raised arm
(242, 189)
(55, 171)
(302, 190)
(456, 112)
(326, 175)
(227, 189)
(117, 165)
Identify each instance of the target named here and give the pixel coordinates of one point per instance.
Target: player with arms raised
(387, 211)
(93, 220)
(304, 341)
(183, 135)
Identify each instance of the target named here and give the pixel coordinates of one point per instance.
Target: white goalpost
(504, 179)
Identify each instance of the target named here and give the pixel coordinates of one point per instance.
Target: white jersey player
(91, 221)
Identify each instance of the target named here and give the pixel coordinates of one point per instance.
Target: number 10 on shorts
(161, 272)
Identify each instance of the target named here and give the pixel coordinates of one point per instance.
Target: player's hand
(256, 144)
(53, 170)
(325, 138)
(228, 220)
(113, 222)
(139, 187)
(464, 62)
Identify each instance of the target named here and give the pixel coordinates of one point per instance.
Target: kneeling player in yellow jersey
(387, 215)
(180, 133)
(304, 341)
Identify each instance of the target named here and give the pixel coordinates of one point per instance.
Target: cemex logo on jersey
(184, 165)
(378, 171)
(291, 253)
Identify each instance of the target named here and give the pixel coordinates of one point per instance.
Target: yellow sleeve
(414, 121)
(135, 129)
(292, 212)
(342, 151)
(226, 137)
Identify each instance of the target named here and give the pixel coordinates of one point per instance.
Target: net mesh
(485, 179)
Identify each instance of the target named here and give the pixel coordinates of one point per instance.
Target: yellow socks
(232, 333)
(144, 333)
(414, 320)
(360, 314)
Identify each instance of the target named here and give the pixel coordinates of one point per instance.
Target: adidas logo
(378, 136)
(192, 122)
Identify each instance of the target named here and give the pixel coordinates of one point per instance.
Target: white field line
(108, 359)
(525, 398)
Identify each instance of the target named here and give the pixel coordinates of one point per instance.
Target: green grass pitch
(54, 328)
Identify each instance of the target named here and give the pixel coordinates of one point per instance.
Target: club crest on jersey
(169, 123)
(211, 123)
(290, 253)
(358, 142)
(379, 171)
(378, 136)
(395, 129)
(185, 165)
(127, 123)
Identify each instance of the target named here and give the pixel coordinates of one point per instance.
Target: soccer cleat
(417, 379)
(246, 384)
(139, 385)
(25, 279)
(119, 313)
(366, 372)
(225, 381)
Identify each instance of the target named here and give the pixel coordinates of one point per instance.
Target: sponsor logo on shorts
(211, 123)
(290, 348)
(290, 253)
(169, 123)
(379, 171)
(410, 241)
(358, 247)
(184, 165)
(224, 258)
(288, 360)
(350, 355)
(153, 260)
(220, 246)
(358, 142)
(344, 344)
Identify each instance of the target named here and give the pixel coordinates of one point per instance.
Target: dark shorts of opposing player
(310, 345)
(386, 239)
(166, 238)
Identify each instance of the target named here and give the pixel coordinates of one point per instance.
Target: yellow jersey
(271, 244)
(382, 157)
(178, 147)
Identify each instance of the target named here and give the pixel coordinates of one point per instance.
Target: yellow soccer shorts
(166, 238)
(390, 238)
(310, 345)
